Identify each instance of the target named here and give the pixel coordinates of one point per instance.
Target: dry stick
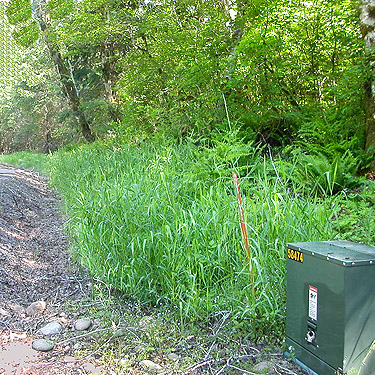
(106, 285)
(227, 360)
(228, 364)
(97, 350)
(85, 335)
(96, 331)
(244, 232)
(199, 365)
(287, 371)
(217, 333)
(242, 370)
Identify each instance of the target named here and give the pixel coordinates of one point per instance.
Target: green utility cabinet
(330, 324)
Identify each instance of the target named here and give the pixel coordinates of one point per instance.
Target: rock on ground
(42, 345)
(50, 329)
(82, 324)
(150, 365)
(36, 308)
(173, 357)
(263, 367)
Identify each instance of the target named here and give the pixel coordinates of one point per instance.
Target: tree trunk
(42, 17)
(71, 94)
(367, 19)
(109, 77)
(235, 23)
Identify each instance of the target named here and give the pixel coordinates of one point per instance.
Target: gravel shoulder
(123, 337)
(34, 266)
(35, 263)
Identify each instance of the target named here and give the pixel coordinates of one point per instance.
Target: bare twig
(85, 335)
(199, 365)
(100, 347)
(228, 361)
(242, 370)
(116, 334)
(226, 316)
(106, 285)
(285, 370)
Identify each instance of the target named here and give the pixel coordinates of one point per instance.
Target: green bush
(324, 175)
(354, 218)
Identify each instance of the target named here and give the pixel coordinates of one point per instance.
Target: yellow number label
(295, 255)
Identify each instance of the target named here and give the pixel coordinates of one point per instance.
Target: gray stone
(36, 308)
(82, 324)
(43, 345)
(173, 357)
(50, 329)
(150, 365)
(263, 367)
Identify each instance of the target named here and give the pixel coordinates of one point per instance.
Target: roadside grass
(160, 234)
(154, 224)
(147, 225)
(24, 159)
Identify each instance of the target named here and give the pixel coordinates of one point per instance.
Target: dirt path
(34, 266)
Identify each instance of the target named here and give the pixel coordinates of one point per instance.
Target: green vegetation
(8, 53)
(25, 159)
(286, 72)
(146, 223)
(174, 96)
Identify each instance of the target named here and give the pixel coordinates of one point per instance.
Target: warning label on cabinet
(313, 303)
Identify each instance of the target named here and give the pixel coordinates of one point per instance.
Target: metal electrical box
(330, 324)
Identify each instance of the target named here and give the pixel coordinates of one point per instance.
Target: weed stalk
(244, 232)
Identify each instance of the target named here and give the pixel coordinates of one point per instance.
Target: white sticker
(313, 303)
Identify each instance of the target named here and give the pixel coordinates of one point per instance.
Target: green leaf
(60, 8)
(18, 11)
(26, 34)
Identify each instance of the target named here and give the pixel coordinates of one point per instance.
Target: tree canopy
(279, 71)
(8, 51)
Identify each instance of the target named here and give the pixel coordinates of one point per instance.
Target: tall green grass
(149, 225)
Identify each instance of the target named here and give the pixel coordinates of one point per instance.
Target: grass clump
(148, 225)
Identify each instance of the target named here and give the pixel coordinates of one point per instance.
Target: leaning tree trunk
(42, 17)
(367, 20)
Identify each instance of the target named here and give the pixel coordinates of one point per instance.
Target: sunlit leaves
(8, 53)
(295, 52)
(59, 9)
(19, 14)
(18, 11)
(26, 33)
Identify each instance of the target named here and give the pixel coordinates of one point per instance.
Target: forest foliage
(178, 95)
(286, 72)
